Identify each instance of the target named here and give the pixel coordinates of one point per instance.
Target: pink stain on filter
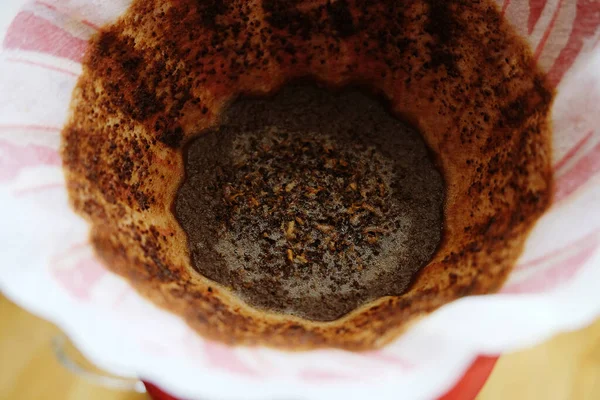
(578, 175)
(32, 33)
(584, 27)
(559, 273)
(547, 32)
(535, 12)
(321, 376)
(14, 158)
(551, 256)
(505, 6)
(573, 152)
(225, 358)
(80, 278)
(390, 359)
(65, 12)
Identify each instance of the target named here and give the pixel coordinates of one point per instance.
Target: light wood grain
(28, 368)
(564, 368)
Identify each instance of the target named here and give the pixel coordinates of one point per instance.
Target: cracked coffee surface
(310, 202)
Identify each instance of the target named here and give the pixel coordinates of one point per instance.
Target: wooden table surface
(564, 368)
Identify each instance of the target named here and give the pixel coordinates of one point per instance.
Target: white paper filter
(47, 265)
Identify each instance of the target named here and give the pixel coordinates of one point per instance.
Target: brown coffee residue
(166, 72)
(310, 203)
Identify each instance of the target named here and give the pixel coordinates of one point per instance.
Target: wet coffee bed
(310, 202)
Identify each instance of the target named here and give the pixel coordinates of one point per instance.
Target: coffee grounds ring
(165, 71)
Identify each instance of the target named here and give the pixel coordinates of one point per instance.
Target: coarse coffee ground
(310, 202)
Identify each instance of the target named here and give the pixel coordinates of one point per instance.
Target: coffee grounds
(310, 203)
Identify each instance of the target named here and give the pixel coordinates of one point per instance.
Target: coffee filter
(48, 266)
